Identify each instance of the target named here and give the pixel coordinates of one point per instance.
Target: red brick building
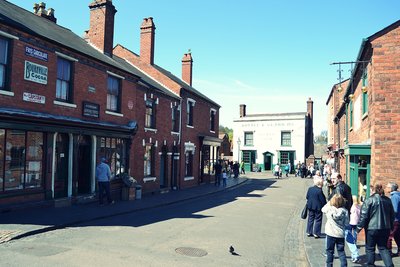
(66, 101)
(367, 114)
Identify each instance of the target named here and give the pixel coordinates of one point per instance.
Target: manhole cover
(193, 252)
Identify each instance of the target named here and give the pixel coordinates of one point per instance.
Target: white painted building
(264, 140)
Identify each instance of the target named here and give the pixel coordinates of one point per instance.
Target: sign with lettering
(34, 98)
(35, 72)
(90, 109)
(33, 52)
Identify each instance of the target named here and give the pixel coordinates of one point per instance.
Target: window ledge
(189, 126)
(188, 178)
(3, 92)
(364, 116)
(211, 131)
(114, 113)
(150, 130)
(351, 129)
(59, 103)
(149, 179)
(175, 133)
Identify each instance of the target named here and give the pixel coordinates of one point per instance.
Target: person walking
(287, 169)
(377, 218)
(391, 188)
(103, 176)
(242, 171)
(340, 187)
(337, 217)
(315, 201)
(218, 172)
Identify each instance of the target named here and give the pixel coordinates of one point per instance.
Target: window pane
(248, 139)
(113, 150)
(34, 157)
(3, 51)
(148, 160)
(2, 76)
(15, 160)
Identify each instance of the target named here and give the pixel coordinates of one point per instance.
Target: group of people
(225, 169)
(345, 218)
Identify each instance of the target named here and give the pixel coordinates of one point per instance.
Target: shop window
(63, 84)
(189, 111)
(284, 158)
(22, 154)
(113, 94)
(4, 51)
(286, 138)
(149, 160)
(150, 119)
(175, 118)
(248, 138)
(212, 120)
(114, 150)
(189, 163)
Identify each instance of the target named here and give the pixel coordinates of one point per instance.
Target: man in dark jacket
(315, 201)
(340, 187)
(377, 218)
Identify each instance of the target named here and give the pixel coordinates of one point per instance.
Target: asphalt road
(260, 219)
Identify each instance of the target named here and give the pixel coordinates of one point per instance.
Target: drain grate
(192, 252)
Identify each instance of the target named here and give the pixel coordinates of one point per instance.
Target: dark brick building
(365, 116)
(66, 101)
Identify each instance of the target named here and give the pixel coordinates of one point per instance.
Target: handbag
(304, 212)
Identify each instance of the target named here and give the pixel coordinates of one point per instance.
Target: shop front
(358, 160)
(47, 157)
(208, 157)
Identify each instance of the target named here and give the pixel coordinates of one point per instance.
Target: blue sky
(269, 55)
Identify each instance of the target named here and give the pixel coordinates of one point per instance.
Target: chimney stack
(187, 67)
(101, 31)
(242, 110)
(310, 111)
(40, 10)
(147, 32)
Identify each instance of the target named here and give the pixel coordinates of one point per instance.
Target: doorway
(163, 167)
(83, 162)
(61, 168)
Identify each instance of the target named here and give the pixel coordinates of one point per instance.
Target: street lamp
(239, 142)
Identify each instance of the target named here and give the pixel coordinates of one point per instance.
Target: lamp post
(239, 142)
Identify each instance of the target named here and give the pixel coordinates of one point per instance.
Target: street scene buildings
(67, 101)
(363, 139)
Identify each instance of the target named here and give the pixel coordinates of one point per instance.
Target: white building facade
(263, 140)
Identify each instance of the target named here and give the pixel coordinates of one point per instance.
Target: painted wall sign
(35, 72)
(90, 109)
(33, 52)
(34, 98)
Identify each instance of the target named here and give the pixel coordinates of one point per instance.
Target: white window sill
(114, 113)
(150, 130)
(188, 178)
(59, 103)
(174, 133)
(149, 179)
(364, 116)
(3, 92)
(212, 131)
(189, 126)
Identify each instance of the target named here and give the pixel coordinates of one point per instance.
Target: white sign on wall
(34, 98)
(35, 72)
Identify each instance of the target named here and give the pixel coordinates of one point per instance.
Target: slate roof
(28, 22)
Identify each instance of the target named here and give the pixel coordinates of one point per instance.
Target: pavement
(26, 222)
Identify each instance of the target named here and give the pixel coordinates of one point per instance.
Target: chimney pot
(187, 68)
(147, 40)
(242, 110)
(35, 8)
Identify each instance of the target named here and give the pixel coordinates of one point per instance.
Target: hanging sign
(35, 72)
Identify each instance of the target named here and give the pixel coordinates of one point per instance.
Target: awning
(210, 140)
(45, 122)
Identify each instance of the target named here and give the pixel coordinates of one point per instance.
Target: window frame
(110, 148)
(6, 64)
(190, 112)
(247, 139)
(175, 113)
(150, 114)
(111, 96)
(69, 91)
(149, 160)
(213, 114)
(189, 156)
(286, 141)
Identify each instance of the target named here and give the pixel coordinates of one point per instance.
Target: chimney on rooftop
(40, 10)
(147, 33)
(101, 31)
(242, 110)
(187, 66)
